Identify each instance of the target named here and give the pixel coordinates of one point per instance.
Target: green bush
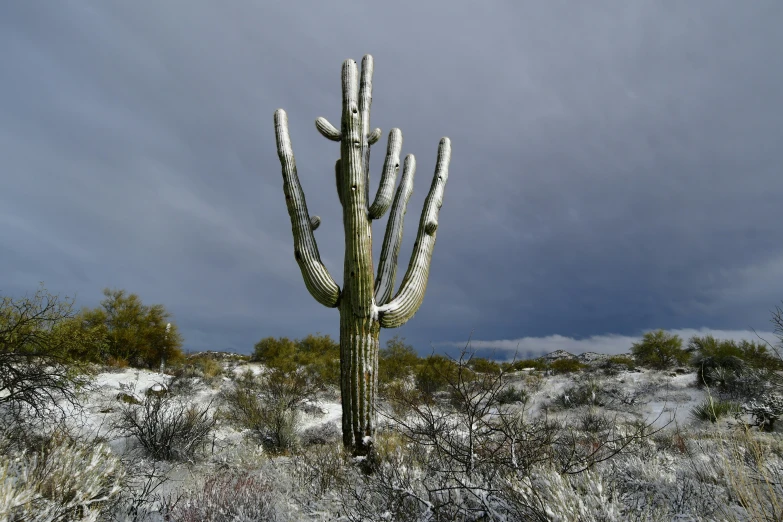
(622, 360)
(713, 409)
(397, 361)
(566, 366)
(659, 350)
(536, 364)
(511, 395)
(735, 369)
(613, 365)
(318, 355)
(42, 348)
(434, 374)
(727, 364)
(134, 332)
(275, 353)
(482, 365)
(268, 405)
(201, 366)
(586, 393)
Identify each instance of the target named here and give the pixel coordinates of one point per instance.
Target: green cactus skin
(365, 302)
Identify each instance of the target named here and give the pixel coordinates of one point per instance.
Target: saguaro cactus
(365, 302)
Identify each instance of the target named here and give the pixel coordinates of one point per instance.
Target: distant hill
(585, 358)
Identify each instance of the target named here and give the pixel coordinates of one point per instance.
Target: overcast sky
(616, 166)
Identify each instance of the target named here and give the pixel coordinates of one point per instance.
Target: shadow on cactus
(365, 301)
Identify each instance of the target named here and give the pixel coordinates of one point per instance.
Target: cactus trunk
(365, 302)
(359, 377)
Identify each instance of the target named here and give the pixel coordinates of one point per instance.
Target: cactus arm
(387, 266)
(391, 166)
(411, 293)
(358, 273)
(365, 101)
(316, 277)
(374, 136)
(327, 130)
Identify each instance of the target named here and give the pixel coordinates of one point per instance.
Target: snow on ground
(656, 397)
(142, 380)
(663, 398)
(330, 412)
(659, 398)
(255, 368)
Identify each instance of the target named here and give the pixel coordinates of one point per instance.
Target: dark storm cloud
(614, 169)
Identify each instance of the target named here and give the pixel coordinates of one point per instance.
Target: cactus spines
(365, 302)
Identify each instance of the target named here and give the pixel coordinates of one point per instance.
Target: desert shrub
(566, 366)
(753, 354)
(41, 352)
(672, 441)
(135, 332)
(592, 420)
(433, 374)
(617, 363)
(241, 405)
(717, 363)
(533, 382)
(401, 396)
(165, 427)
(61, 480)
(714, 409)
(275, 353)
(535, 364)
(268, 405)
(318, 355)
(511, 394)
(184, 385)
(202, 367)
(765, 410)
(470, 458)
(328, 433)
(115, 364)
(324, 372)
(586, 393)
(141, 487)
(396, 361)
(547, 494)
(128, 398)
(482, 365)
(226, 497)
(753, 475)
(659, 350)
(622, 360)
(319, 471)
(759, 355)
(738, 370)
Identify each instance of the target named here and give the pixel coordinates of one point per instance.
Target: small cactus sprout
(366, 301)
